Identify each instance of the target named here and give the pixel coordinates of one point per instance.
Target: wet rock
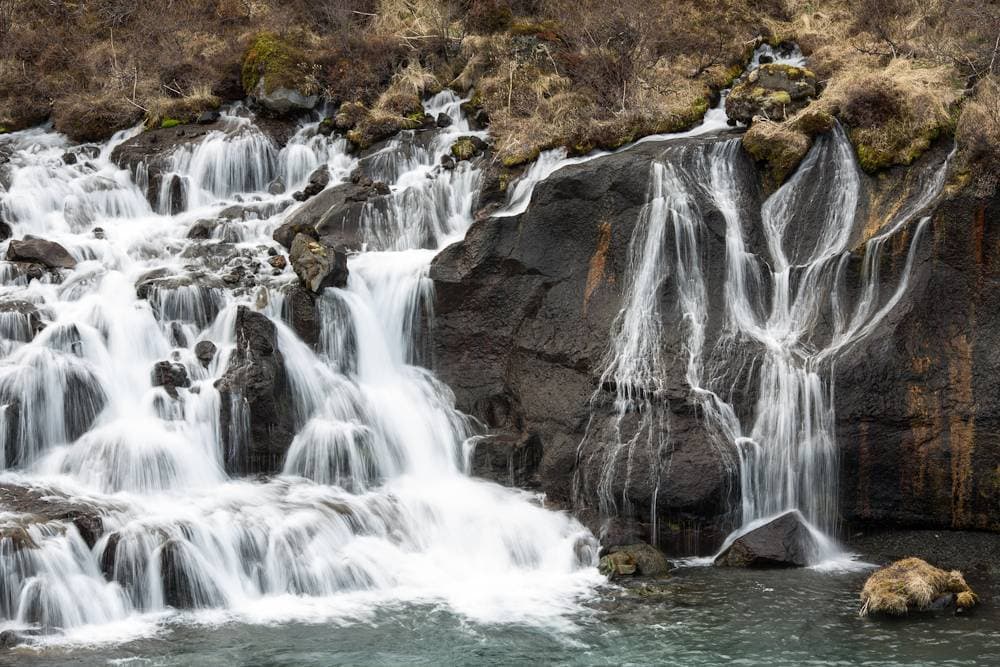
(466, 148)
(782, 542)
(283, 101)
(177, 196)
(5, 231)
(10, 639)
(256, 415)
(326, 127)
(508, 458)
(302, 314)
(317, 264)
(202, 229)
(443, 120)
(447, 162)
(640, 559)
(208, 117)
(44, 504)
(773, 91)
(318, 180)
(204, 351)
(278, 262)
(276, 187)
(170, 376)
(20, 319)
(182, 587)
(40, 251)
(335, 214)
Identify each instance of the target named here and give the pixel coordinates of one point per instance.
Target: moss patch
(275, 61)
(170, 122)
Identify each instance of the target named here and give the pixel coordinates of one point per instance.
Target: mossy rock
(519, 155)
(349, 115)
(774, 91)
(378, 127)
(273, 60)
(779, 146)
(639, 559)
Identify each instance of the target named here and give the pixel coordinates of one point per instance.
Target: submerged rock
(913, 584)
(20, 319)
(39, 251)
(317, 264)
(256, 413)
(784, 542)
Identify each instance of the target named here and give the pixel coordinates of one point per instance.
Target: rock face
(773, 90)
(256, 415)
(523, 313)
(39, 251)
(317, 264)
(334, 214)
(42, 504)
(783, 542)
(318, 180)
(170, 376)
(918, 406)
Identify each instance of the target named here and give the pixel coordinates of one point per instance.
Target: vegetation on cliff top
(581, 74)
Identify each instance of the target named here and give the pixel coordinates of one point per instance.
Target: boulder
(913, 584)
(39, 251)
(782, 542)
(318, 180)
(283, 101)
(774, 91)
(443, 120)
(256, 415)
(317, 264)
(335, 214)
(640, 559)
(466, 148)
(44, 505)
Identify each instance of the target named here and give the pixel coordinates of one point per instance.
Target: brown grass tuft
(912, 584)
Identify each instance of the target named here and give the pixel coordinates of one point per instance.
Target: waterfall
(372, 505)
(774, 305)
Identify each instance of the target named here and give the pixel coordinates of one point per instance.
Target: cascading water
(773, 308)
(373, 505)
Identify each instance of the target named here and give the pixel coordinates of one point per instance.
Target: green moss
(523, 155)
(463, 149)
(872, 159)
(274, 60)
(170, 122)
(3, 130)
(780, 97)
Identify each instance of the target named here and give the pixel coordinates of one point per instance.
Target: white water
(785, 448)
(373, 506)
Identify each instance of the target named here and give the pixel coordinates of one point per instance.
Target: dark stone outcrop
(39, 251)
(783, 542)
(317, 264)
(302, 314)
(918, 404)
(523, 311)
(256, 415)
(334, 214)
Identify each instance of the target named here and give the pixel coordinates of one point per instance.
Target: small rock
(783, 542)
(207, 117)
(318, 265)
(317, 183)
(444, 120)
(276, 187)
(278, 261)
(170, 376)
(641, 559)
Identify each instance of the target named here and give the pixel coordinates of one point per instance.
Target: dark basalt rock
(918, 403)
(523, 312)
(39, 251)
(256, 415)
(334, 214)
(782, 542)
(301, 313)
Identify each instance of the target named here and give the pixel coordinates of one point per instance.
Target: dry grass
(912, 584)
(978, 135)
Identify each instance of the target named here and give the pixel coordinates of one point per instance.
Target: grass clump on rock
(913, 584)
